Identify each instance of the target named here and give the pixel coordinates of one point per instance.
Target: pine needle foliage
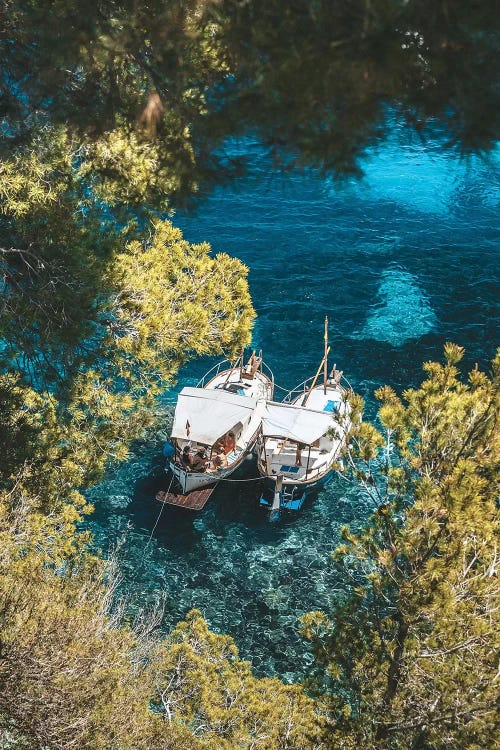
(409, 659)
(99, 306)
(73, 674)
(154, 90)
(70, 262)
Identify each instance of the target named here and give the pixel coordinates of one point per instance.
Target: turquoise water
(400, 262)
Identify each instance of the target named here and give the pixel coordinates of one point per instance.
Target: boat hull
(194, 480)
(293, 494)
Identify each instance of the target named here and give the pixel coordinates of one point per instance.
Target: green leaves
(100, 315)
(200, 681)
(413, 647)
(183, 301)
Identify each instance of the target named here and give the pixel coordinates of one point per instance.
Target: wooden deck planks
(195, 500)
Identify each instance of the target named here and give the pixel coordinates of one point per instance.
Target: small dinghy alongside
(215, 427)
(302, 439)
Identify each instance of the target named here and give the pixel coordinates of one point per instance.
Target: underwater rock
(119, 501)
(403, 312)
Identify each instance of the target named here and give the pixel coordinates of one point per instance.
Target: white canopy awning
(295, 422)
(205, 415)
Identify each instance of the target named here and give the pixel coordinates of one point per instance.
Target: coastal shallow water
(400, 262)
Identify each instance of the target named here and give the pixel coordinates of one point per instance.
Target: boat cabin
(296, 442)
(213, 430)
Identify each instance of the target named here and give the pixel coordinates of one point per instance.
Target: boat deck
(319, 401)
(195, 500)
(283, 459)
(259, 386)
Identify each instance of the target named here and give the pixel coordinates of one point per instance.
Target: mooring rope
(251, 479)
(159, 515)
(280, 388)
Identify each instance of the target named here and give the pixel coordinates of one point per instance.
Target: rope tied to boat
(251, 479)
(159, 516)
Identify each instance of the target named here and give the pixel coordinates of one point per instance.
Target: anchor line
(159, 516)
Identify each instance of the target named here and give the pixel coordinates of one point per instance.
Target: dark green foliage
(321, 79)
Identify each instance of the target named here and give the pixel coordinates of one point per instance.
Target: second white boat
(302, 438)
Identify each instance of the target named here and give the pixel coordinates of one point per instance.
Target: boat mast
(306, 397)
(324, 365)
(233, 367)
(325, 361)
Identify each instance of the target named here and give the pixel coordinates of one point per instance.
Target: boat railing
(306, 384)
(266, 370)
(224, 364)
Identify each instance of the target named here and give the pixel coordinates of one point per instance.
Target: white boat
(302, 439)
(215, 427)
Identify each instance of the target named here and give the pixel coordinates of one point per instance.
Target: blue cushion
(331, 406)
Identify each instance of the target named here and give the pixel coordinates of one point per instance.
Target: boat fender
(168, 450)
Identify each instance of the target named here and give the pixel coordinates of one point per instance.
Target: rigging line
(159, 516)
(280, 387)
(251, 479)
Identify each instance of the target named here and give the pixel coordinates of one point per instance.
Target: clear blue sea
(401, 262)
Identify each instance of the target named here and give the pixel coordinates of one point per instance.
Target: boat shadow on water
(234, 501)
(168, 525)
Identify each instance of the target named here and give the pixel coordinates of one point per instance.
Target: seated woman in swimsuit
(229, 442)
(219, 461)
(218, 446)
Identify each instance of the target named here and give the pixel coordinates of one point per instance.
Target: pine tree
(98, 314)
(319, 82)
(409, 659)
(74, 674)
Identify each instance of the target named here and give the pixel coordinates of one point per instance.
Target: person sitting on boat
(298, 454)
(251, 367)
(218, 446)
(336, 375)
(186, 459)
(229, 443)
(199, 461)
(219, 461)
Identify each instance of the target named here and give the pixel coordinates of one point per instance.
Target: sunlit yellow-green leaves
(412, 648)
(179, 298)
(73, 674)
(201, 681)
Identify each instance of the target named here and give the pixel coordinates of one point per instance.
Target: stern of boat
(291, 498)
(189, 481)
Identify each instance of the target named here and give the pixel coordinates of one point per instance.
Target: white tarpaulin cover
(295, 422)
(205, 415)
